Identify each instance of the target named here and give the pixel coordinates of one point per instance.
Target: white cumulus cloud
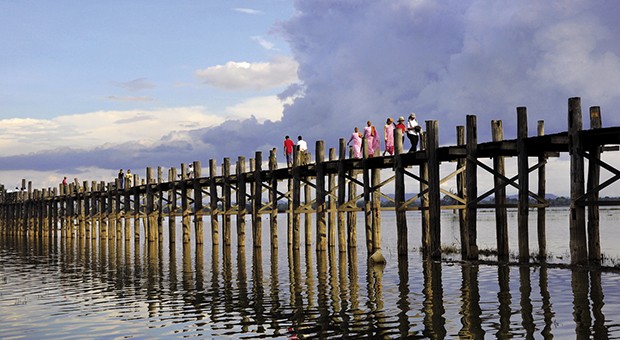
(279, 71)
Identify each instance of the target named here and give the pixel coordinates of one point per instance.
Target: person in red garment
(288, 150)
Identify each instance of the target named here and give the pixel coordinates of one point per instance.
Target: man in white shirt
(303, 150)
(413, 132)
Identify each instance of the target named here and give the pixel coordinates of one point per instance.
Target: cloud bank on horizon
(359, 60)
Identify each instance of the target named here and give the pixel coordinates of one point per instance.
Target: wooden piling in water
(434, 198)
(523, 175)
(399, 194)
(241, 202)
(578, 245)
(321, 207)
(501, 217)
(542, 191)
(471, 184)
(594, 172)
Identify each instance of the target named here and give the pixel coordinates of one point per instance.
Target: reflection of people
(388, 131)
(413, 132)
(288, 150)
(121, 178)
(303, 150)
(356, 138)
(129, 178)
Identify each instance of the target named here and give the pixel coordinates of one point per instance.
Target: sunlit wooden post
(399, 194)
(241, 202)
(321, 227)
(150, 206)
(367, 197)
(257, 200)
(501, 217)
(331, 201)
(296, 197)
(185, 205)
(213, 199)
(341, 196)
(172, 205)
(197, 186)
(273, 199)
(226, 203)
(594, 171)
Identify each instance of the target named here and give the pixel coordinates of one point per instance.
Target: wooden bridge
(330, 192)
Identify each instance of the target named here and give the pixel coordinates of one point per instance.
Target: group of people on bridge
(411, 129)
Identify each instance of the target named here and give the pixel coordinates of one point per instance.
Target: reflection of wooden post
(241, 202)
(432, 144)
(198, 224)
(321, 229)
(332, 212)
(342, 190)
(541, 212)
(594, 171)
(471, 179)
(578, 246)
(524, 184)
(215, 227)
(501, 218)
(399, 193)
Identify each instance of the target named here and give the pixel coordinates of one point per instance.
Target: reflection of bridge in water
(105, 211)
(326, 294)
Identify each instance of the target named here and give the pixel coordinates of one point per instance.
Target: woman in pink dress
(376, 144)
(356, 138)
(370, 138)
(388, 131)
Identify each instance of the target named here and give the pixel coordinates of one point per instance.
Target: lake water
(119, 290)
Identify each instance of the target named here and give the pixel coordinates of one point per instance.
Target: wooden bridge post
(126, 208)
(501, 217)
(213, 200)
(151, 228)
(352, 212)
(118, 210)
(434, 198)
(399, 194)
(424, 204)
(160, 205)
(332, 209)
(367, 197)
(172, 205)
(226, 203)
(308, 213)
(110, 206)
(524, 184)
(85, 212)
(241, 202)
(578, 245)
(375, 180)
(594, 171)
(296, 197)
(321, 226)
(273, 199)
(461, 187)
(198, 224)
(471, 184)
(257, 200)
(136, 208)
(541, 211)
(342, 190)
(103, 223)
(185, 204)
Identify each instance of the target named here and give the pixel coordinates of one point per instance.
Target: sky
(88, 88)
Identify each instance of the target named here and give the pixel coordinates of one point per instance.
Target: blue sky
(87, 87)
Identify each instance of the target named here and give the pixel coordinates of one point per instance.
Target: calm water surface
(117, 289)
